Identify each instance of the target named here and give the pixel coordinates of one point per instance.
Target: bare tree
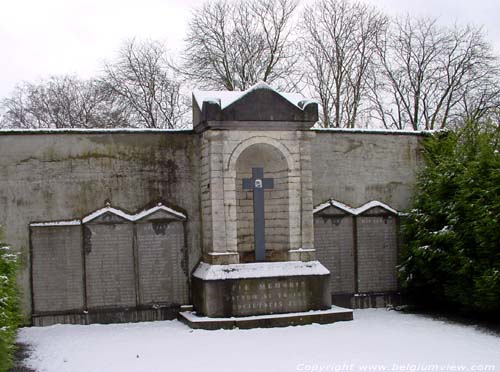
(61, 102)
(480, 99)
(426, 71)
(233, 45)
(338, 47)
(142, 81)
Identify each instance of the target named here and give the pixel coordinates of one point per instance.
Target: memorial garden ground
(376, 340)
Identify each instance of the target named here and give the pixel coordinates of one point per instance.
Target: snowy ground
(377, 340)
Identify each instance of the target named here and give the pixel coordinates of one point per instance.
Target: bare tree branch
(338, 46)
(426, 71)
(142, 80)
(233, 45)
(62, 102)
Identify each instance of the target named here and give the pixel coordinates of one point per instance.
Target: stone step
(335, 314)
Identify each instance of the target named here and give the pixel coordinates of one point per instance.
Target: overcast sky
(43, 37)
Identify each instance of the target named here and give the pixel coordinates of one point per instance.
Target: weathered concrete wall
(54, 176)
(357, 167)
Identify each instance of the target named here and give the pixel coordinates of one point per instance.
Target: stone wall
(65, 175)
(356, 167)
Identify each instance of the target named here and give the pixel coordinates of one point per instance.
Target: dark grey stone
(293, 319)
(161, 256)
(334, 243)
(105, 316)
(57, 268)
(260, 109)
(377, 253)
(253, 296)
(257, 184)
(110, 272)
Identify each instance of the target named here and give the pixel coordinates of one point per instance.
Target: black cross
(257, 184)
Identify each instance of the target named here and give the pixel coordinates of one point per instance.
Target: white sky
(43, 37)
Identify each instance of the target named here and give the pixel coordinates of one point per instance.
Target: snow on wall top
(376, 131)
(259, 270)
(90, 130)
(56, 223)
(351, 210)
(117, 212)
(227, 98)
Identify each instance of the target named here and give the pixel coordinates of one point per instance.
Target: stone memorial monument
(214, 223)
(257, 218)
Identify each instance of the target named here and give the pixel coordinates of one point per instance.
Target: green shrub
(9, 309)
(451, 257)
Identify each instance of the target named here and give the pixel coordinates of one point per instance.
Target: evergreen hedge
(451, 254)
(9, 306)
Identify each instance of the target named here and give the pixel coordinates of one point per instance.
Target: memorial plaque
(57, 268)
(333, 237)
(377, 253)
(160, 248)
(269, 296)
(110, 271)
(260, 288)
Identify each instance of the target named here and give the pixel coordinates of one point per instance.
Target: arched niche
(276, 202)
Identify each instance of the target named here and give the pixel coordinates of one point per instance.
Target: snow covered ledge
(259, 270)
(260, 288)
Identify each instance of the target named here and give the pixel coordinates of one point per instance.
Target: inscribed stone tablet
(57, 268)
(160, 247)
(377, 253)
(333, 239)
(110, 265)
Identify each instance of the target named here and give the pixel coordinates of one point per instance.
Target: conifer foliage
(9, 309)
(451, 256)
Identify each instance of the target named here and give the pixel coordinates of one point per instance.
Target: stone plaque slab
(57, 269)
(110, 271)
(377, 253)
(333, 240)
(160, 249)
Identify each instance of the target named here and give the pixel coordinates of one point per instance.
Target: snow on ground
(377, 340)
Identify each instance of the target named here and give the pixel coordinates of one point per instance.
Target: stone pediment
(110, 214)
(373, 207)
(258, 108)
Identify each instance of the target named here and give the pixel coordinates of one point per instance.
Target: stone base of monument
(225, 293)
(332, 315)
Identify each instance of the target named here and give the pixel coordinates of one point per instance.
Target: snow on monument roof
(351, 210)
(227, 98)
(108, 209)
(117, 212)
(259, 270)
(159, 207)
(132, 217)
